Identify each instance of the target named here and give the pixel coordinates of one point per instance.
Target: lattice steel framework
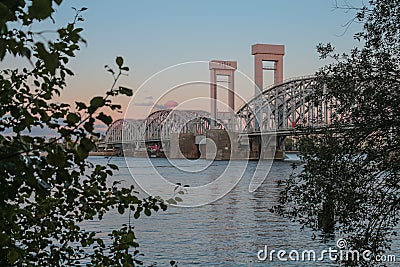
(283, 106)
(125, 131)
(161, 124)
(114, 133)
(158, 126)
(279, 108)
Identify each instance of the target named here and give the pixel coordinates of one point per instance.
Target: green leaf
(131, 236)
(136, 215)
(119, 61)
(171, 201)
(121, 209)
(178, 199)
(80, 105)
(87, 144)
(147, 212)
(105, 118)
(82, 152)
(89, 126)
(4, 12)
(40, 9)
(3, 47)
(97, 102)
(57, 159)
(50, 59)
(113, 166)
(26, 52)
(72, 118)
(125, 91)
(12, 255)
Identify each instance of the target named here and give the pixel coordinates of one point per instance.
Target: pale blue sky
(152, 35)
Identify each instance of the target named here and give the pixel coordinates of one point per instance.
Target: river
(228, 232)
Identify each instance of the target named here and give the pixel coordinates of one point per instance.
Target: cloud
(168, 105)
(171, 104)
(145, 104)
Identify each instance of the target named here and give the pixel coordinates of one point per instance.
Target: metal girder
(158, 126)
(284, 106)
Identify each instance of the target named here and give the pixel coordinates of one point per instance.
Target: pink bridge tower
(271, 53)
(222, 68)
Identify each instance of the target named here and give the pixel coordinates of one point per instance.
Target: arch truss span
(125, 131)
(162, 123)
(284, 106)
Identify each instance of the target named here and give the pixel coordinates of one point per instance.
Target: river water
(227, 232)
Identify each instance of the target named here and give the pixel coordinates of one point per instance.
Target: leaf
(114, 167)
(147, 212)
(89, 126)
(171, 201)
(121, 209)
(40, 9)
(4, 12)
(50, 59)
(3, 47)
(57, 159)
(80, 105)
(119, 61)
(97, 102)
(105, 118)
(136, 215)
(72, 118)
(12, 256)
(26, 52)
(125, 91)
(82, 152)
(87, 144)
(130, 236)
(178, 199)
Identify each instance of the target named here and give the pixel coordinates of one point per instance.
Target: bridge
(259, 125)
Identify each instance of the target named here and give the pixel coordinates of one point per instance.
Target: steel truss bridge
(279, 110)
(158, 126)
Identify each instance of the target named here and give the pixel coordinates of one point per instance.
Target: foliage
(350, 179)
(47, 186)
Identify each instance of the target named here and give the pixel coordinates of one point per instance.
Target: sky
(154, 35)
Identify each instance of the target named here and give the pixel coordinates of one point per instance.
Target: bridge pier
(223, 147)
(216, 144)
(266, 147)
(183, 145)
(280, 148)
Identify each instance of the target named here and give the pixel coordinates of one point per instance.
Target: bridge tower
(268, 53)
(222, 68)
(271, 53)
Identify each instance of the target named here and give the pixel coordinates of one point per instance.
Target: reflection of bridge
(276, 111)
